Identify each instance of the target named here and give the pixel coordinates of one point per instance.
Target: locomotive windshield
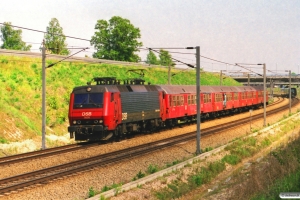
(88, 100)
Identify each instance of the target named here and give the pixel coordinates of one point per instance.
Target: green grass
(289, 180)
(152, 169)
(201, 176)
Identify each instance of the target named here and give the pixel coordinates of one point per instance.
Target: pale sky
(247, 31)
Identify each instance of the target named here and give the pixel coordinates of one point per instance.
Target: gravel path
(77, 186)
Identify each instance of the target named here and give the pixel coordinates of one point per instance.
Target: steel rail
(58, 150)
(112, 157)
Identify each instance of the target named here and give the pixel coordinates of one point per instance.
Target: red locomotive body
(98, 112)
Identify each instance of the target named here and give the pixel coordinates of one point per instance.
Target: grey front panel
(137, 106)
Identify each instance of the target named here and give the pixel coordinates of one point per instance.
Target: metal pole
(248, 79)
(43, 95)
(198, 151)
(265, 99)
(272, 87)
(290, 93)
(221, 78)
(169, 75)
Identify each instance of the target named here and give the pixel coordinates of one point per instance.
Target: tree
(165, 58)
(55, 39)
(12, 39)
(116, 39)
(152, 59)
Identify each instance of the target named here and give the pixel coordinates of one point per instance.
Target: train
(285, 92)
(109, 109)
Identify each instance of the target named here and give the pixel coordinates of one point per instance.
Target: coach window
(181, 100)
(174, 101)
(229, 96)
(235, 96)
(250, 95)
(206, 98)
(219, 98)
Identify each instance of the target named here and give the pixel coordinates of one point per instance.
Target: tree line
(115, 39)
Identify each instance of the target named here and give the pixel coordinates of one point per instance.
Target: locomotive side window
(112, 97)
(90, 100)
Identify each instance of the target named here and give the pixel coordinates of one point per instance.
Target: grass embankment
(20, 94)
(278, 172)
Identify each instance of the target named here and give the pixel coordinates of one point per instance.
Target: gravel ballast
(77, 186)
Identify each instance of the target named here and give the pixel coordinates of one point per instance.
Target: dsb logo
(86, 114)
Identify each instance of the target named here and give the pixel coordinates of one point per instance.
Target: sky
(232, 31)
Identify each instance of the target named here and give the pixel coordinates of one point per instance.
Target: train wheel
(116, 134)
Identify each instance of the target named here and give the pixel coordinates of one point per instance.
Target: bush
(92, 192)
(231, 159)
(152, 169)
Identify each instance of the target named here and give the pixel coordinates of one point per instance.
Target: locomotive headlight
(100, 121)
(74, 122)
(96, 122)
(79, 122)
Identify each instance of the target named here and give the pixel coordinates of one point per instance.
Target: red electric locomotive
(98, 112)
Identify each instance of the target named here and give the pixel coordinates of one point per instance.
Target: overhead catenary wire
(189, 65)
(45, 32)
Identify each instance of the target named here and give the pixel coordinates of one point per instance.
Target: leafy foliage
(139, 175)
(92, 192)
(12, 39)
(165, 58)
(116, 39)
(152, 169)
(55, 39)
(152, 59)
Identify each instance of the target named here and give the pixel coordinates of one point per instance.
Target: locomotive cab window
(88, 100)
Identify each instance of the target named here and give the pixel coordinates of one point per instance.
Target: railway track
(59, 150)
(19, 182)
(43, 153)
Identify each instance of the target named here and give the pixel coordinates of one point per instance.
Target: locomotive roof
(116, 88)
